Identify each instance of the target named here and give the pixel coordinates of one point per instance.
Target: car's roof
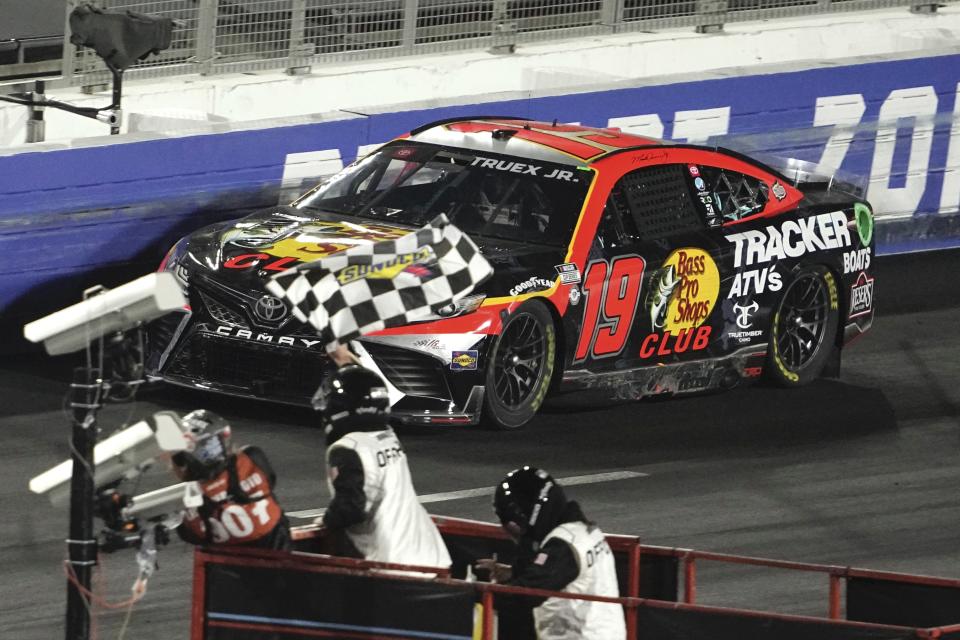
(545, 141)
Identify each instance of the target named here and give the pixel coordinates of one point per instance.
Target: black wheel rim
(802, 321)
(518, 364)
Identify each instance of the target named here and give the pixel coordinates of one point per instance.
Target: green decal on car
(864, 219)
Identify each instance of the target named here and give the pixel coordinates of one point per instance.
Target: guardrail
(306, 593)
(220, 36)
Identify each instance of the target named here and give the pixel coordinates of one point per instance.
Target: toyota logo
(270, 309)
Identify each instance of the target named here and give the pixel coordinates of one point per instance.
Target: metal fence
(219, 36)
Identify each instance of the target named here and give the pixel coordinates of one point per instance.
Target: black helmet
(528, 502)
(208, 444)
(352, 392)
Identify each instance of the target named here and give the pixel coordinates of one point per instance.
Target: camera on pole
(101, 314)
(120, 39)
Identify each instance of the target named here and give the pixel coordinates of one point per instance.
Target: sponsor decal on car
(668, 343)
(530, 285)
(681, 298)
(857, 260)
(779, 192)
(744, 321)
(695, 292)
(700, 184)
(464, 360)
(790, 239)
(864, 220)
(694, 170)
(386, 269)
(861, 296)
(755, 281)
(569, 273)
(269, 338)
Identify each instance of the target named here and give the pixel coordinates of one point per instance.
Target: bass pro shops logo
(681, 300)
(861, 296)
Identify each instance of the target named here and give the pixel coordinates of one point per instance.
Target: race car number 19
(611, 305)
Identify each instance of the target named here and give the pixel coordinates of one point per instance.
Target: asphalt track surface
(861, 471)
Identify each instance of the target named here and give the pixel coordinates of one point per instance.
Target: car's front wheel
(803, 328)
(520, 367)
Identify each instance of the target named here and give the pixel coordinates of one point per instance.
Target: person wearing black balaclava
(373, 500)
(559, 550)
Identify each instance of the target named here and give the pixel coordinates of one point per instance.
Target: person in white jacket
(559, 550)
(373, 500)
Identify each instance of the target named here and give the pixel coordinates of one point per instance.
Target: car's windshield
(484, 194)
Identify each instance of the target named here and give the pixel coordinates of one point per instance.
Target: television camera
(122, 457)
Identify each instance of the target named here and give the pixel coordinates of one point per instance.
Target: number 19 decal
(610, 306)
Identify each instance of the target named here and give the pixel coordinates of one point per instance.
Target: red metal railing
(486, 592)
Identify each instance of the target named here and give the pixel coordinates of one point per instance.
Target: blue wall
(73, 217)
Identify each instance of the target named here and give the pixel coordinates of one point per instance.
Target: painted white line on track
(488, 491)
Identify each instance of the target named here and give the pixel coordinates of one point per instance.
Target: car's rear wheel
(803, 328)
(520, 367)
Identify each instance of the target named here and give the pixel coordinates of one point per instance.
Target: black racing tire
(803, 329)
(520, 367)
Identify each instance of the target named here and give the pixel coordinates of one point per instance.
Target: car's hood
(244, 254)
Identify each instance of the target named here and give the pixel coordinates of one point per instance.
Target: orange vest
(233, 521)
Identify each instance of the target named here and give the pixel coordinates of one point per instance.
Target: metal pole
(206, 34)
(117, 97)
(410, 10)
(82, 545)
(300, 53)
(35, 125)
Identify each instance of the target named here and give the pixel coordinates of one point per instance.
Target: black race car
(620, 261)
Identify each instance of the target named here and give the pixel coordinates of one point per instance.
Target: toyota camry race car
(620, 262)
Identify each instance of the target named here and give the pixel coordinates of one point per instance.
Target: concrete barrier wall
(68, 215)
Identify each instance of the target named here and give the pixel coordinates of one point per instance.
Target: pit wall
(91, 212)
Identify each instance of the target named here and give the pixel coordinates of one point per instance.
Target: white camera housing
(159, 504)
(124, 453)
(140, 300)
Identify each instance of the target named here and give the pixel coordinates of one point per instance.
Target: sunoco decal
(464, 360)
(791, 239)
(386, 269)
(861, 296)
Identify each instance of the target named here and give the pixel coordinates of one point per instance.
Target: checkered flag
(387, 284)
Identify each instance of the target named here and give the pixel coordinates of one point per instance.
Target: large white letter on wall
(950, 196)
(648, 125)
(842, 112)
(919, 103)
(698, 125)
